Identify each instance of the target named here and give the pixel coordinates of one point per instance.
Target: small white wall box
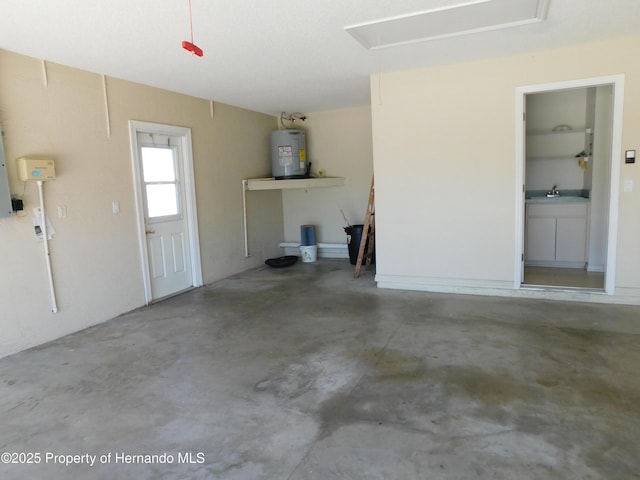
(33, 168)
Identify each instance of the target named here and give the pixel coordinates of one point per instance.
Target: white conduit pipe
(244, 218)
(43, 223)
(106, 105)
(45, 77)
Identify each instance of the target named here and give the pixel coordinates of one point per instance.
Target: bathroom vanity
(556, 232)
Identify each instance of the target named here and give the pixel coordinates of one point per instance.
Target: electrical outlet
(62, 211)
(17, 204)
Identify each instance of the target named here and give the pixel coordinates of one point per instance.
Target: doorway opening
(568, 146)
(166, 209)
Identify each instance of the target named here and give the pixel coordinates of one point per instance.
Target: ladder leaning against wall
(367, 242)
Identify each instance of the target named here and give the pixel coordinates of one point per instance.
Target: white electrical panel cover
(5, 194)
(32, 168)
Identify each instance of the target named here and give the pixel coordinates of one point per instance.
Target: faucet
(553, 192)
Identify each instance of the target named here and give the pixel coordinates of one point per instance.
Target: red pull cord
(190, 46)
(191, 21)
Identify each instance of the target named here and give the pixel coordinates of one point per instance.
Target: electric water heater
(288, 154)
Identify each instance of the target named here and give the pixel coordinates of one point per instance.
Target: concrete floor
(306, 373)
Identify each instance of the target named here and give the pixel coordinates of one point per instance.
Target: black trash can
(355, 237)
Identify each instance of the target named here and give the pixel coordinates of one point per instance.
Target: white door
(164, 201)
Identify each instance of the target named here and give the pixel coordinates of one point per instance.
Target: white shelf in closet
(558, 144)
(557, 157)
(537, 133)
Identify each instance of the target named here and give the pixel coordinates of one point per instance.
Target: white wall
(338, 142)
(94, 253)
(445, 166)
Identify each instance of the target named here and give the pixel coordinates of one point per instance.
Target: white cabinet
(556, 235)
(541, 239)
(571, 238)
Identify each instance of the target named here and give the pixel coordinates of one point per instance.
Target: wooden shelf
(273, 184)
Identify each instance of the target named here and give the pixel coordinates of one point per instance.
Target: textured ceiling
(273, 55)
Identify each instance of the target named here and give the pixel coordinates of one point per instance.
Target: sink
(549, 196)
(557, 199)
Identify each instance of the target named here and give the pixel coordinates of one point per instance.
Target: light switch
(628, 185)
(62, 211)
(630, 156)
(115, 207)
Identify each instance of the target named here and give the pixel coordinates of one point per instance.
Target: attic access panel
(461, 19)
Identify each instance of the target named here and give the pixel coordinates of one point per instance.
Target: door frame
(188, 186)
(617, 82)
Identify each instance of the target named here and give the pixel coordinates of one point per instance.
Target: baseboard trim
(623, 296)
(325, 250)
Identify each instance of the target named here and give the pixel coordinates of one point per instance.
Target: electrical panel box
(32, 168)
(5, 195)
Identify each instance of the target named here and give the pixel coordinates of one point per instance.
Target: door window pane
(161, 181)
(162, 200)
(158, 164)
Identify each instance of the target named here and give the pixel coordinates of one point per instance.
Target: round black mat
(280, 262)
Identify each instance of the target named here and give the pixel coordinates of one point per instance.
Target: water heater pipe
(43, 223)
